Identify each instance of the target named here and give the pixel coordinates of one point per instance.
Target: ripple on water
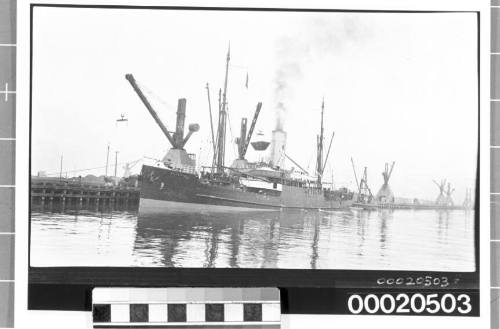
(385, 240)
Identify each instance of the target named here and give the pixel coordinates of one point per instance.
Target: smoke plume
(318, 38)
(285, 75)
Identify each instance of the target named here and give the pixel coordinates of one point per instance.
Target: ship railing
(187, 170)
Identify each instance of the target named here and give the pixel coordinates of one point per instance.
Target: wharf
(75, 192)
(411, 206)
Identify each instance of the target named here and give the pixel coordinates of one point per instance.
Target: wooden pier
(74, 192)
(411, 206)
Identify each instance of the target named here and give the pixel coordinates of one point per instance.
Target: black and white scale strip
(7, 155)
(186, 308)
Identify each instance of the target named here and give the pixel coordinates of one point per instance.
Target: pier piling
(77, 193)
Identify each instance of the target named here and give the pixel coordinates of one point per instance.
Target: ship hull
(159, 207)
(164, 190)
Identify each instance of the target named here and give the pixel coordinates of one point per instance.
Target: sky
(397, 87)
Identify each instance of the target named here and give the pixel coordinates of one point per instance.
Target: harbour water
(427, 240)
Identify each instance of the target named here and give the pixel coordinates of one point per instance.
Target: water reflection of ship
(174, 183)
(227, 241)
(258, 241)
(288, 239)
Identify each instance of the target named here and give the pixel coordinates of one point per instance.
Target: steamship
(175, 185)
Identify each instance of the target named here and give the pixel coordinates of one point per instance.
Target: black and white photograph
(261, 139)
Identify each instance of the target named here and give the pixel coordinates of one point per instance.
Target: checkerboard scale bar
(186, 308)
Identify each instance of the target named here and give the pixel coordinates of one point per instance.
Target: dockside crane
(449, 192)
(176, 157)
(441, 199)
(364, 192)
(468, 204)
(177, 140)
(356, 176)
(385, 193)
(127, 169)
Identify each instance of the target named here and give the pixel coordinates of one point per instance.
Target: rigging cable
(88, 169)
(231, 132)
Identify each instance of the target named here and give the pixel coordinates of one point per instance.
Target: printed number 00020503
(402, 303)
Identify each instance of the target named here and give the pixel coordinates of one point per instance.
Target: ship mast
(319, 161)
(221, 129)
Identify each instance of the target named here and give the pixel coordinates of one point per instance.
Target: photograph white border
(42, 319)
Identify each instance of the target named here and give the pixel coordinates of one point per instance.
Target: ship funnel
(278, 144)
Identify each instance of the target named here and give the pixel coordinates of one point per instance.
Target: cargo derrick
(244, 140)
